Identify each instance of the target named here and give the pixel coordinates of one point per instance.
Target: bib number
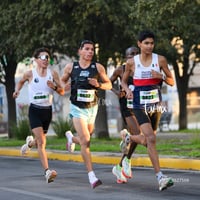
(129, 103)
(148, 97)
(85, 95)
(42, 98)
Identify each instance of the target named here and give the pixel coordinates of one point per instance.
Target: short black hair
(39, 50)
(145, 34)
(83, 42)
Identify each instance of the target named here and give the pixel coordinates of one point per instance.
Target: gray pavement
(22, 179)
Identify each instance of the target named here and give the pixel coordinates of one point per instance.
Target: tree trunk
(101, 125)
(10, 70)
(183, 109)
(182, 87)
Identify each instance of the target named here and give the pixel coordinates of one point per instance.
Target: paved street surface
(22, 179)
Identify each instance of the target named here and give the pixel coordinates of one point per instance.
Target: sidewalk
(111, 158)
(172, 162)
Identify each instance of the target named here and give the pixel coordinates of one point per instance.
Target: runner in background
(123, 170)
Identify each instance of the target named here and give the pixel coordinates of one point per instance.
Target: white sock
(92, 177)
(47, 171)
(69, 137)
(159, 175)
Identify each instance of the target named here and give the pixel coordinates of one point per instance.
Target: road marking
(32, 194)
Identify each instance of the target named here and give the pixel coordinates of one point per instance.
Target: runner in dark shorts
(128, 117)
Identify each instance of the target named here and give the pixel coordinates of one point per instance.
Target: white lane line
(32, 194)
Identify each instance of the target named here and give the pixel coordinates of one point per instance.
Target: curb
(111, 159)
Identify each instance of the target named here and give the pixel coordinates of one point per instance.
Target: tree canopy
(61, 25)
(176, 25)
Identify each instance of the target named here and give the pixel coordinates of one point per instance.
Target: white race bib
(42, 98)
(148, 97)
(85, 95)
(129, 103)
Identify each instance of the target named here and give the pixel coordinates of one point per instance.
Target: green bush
(22, 129)
(60, 126)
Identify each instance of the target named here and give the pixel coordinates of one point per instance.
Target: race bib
(129, 103)
(148, 97)
(41, 98)
(85, 95)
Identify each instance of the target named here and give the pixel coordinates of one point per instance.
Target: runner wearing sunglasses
(42, 82)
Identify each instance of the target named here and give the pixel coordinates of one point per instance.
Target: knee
(144, 141)
(85, 143)
(40, 144)
(151, 139)
(134, 131)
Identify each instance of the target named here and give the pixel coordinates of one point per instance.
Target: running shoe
(126, 167)
(117, 171)
(96, 183)
(25, 148)
(125, 143)
(50, 175)
(70, 146)
(165, 182)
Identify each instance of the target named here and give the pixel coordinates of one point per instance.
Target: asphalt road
(22, 179)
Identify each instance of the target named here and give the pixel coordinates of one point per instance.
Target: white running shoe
(117, 171)
(70, 146)
(125, 143)
(126, 168)
(25, 148)
(50, 175)
(165, 182)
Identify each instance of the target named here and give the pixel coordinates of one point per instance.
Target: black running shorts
(150, 117)
(40, 116)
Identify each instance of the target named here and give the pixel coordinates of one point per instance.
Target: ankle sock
(45, 171)
(92, 177)
(69, 137)
(159, 175)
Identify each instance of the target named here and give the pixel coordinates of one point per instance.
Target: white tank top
(142, 75)
(39, 92)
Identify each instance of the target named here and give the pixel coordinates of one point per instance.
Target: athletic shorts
(88, 114)
(150, 117)
(40, 116)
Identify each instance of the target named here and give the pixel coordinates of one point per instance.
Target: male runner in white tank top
(149, 71)
(42, 82)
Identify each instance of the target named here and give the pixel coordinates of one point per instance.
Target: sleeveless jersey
(83, 94)
(147, 90)
(39, 92)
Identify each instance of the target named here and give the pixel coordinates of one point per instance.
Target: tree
(24, 26)
(58, 25)
(176, 24)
